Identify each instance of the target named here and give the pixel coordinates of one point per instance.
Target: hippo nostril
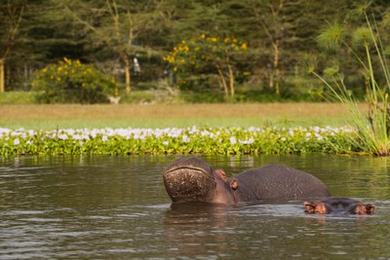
(188, 184)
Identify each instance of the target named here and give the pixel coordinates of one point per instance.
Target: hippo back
(279, 183)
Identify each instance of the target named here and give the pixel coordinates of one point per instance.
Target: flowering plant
(209, 54)
(191, 140)
(70, 81)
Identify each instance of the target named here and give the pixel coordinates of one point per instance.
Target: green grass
(163, 123)
(161, 116)
(17, 97)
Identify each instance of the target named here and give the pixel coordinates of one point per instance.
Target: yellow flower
(67, 61)
(244, 46)
(213, 39)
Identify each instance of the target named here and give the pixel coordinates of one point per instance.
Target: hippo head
(338, 206)
(192, 179)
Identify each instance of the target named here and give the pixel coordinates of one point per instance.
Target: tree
(12, 12)
(209, 53)
(117, 25)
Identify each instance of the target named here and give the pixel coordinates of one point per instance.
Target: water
(116, 207)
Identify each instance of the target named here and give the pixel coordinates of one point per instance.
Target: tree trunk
(127, 75)
(276, 72)
(231, 81)
(271, 80)
(222, 82)
(2, 76)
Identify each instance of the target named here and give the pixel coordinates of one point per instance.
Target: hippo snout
(189, 179)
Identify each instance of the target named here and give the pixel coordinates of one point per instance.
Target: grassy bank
(174, 115)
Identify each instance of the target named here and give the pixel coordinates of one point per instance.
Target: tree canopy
(131, 40)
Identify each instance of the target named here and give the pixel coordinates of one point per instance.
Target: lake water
(117, 207)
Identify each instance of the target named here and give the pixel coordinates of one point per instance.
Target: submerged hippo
(338, 206)
(191, 179)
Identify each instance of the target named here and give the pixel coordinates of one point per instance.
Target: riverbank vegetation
(192, 140)
(372, 127)
(193, 51)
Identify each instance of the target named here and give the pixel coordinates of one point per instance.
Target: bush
(138, 97)
(70, 81)
(17, 97)
(202, 97)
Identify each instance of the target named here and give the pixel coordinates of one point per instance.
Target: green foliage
(331, 37)
(206, 96)
(285, 37)
(18, 97)
(213, 53)
(361, 37)
(70, 81)
(203, 51)
(176, 141)
(373, 128)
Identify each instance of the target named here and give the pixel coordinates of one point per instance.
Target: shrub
(17, 97)
(211, 54)
(70, 81)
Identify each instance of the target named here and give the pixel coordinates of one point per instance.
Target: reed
(373, 125)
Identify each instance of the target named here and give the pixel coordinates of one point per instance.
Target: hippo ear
(370, 209)
(234, 184)
(364, 209)
(309, 207)
(315, 207)
(221, 174)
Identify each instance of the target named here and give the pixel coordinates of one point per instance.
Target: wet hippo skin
(278, 182)
(192, 179)
(338, 206)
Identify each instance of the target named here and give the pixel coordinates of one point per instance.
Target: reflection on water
(116, 207)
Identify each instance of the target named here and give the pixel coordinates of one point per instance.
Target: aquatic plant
(373, 127)
(191, 140)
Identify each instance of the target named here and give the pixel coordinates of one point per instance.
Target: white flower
(165, 143)
(104, 138)
(186, 139)
(63, 137)
(233, 140)
(31, 132)
(16, 141)
(249, 141)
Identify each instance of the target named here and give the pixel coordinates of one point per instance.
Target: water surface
(116, 207)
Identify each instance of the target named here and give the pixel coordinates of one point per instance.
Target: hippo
(338, 206)
(191, 179)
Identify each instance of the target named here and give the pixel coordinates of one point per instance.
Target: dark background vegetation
(287, 40)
